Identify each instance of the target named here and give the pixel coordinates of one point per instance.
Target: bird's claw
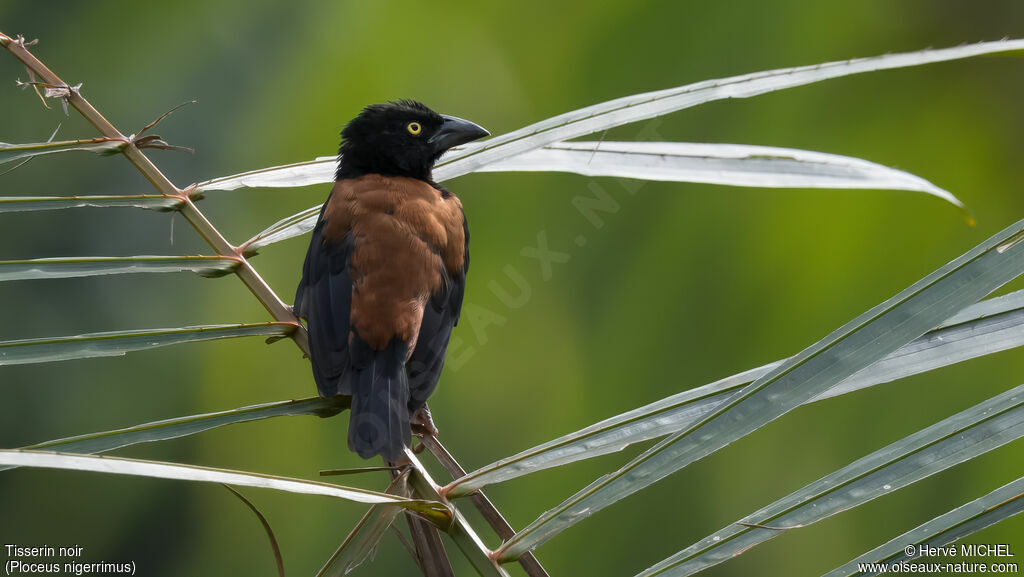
(423, 424)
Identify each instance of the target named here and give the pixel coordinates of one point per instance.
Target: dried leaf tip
(18, 40)
(154, 141)
(62, 91)
(165, 115)
(967, 215)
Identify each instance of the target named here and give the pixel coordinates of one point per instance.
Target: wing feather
(440, 316)
(324, 299)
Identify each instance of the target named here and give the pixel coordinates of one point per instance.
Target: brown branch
(245, 271)
(490, 513)
(430, 553)
(428, 549)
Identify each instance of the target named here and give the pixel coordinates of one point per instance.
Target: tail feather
(379, 420)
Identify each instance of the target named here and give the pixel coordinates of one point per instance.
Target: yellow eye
(414, 128)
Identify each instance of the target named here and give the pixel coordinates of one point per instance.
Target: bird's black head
(402, 138)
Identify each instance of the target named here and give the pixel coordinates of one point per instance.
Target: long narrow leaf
(24, 161)
(12, 152)
(989, 327)
(959, 438)
(361, 542)
(984, 328)
(185, 426)
(728, 164)
(858, 344)
(121, 466)
(36, 203)
(117, 343)
(999, 505)
(615, 113)
(69, 267)
(290, 227)
(652, 104)
(317, 171)
(476, 156)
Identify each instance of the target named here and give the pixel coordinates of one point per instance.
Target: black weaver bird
(385, 273)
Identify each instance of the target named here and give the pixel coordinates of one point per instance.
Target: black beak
(455, 131)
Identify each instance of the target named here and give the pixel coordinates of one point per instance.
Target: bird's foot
(422, 423)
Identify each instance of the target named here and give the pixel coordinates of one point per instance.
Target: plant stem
(245, 271)
(430, 554)
(424, 487)
(490, 513)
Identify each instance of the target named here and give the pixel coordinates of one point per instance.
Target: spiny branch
(245, 271)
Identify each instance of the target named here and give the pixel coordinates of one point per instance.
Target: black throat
(353, 164)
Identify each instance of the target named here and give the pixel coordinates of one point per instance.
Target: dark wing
(439, 317)
(324, 299)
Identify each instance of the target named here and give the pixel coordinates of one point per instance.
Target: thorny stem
(245, 271)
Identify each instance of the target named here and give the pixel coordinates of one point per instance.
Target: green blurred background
(684, 284)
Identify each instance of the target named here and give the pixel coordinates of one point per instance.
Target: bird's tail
(379, 423)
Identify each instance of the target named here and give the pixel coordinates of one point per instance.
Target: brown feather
(407, 238)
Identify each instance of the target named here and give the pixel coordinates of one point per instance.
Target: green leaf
(981, 329)
(36, 203)
(858, 344)
(117, 343)
(653, 104)
(104, 146)
(985, 328)
(295, 225)
(361, 542)
(1001, 504)
(959, 438)
(26, 160)
(434, 511)
(190, 425)
(69, 267)
(475, 156)
(317, 171)
(728, 164)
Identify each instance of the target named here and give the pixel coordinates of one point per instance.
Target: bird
(385, 273)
